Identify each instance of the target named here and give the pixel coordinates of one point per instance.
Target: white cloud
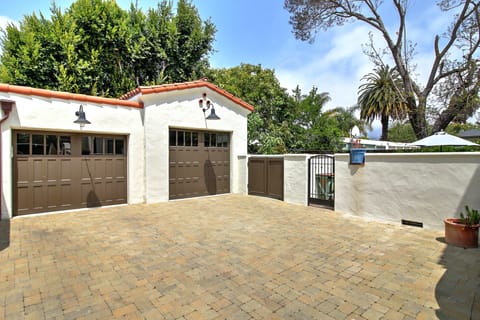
(336, 69)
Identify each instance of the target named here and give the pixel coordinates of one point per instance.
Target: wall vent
(412, 223)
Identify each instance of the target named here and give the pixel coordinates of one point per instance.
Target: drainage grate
(412, 223)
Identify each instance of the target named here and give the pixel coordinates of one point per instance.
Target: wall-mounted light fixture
(206, 104)
(82, 121)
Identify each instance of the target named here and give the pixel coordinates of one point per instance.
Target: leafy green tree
(95, 47)
(381, 98)
(267, 132)
(346, 120)
(401, 131)
(281, 122)
(317, 129)
(454, 54)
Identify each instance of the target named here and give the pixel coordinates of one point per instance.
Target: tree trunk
(384, 121)
(417, 117)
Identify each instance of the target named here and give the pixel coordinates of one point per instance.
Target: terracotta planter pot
(460, 235)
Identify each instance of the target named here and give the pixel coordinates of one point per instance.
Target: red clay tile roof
(183, 86)
(67, 96)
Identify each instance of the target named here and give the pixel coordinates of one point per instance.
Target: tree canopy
(95, 47)
(455, 62)
(281, 122)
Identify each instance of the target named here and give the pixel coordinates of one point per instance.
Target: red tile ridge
(144, 90)
(29, 91)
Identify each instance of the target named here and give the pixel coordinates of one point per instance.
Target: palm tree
(347, 119)
(380, 97)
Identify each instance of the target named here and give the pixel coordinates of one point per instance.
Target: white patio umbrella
(442, 138)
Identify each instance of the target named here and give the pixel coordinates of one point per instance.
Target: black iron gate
(321, 180)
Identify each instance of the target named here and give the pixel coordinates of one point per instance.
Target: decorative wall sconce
(82, 121)
(206, 104)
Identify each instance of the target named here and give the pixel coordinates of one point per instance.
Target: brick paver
(230, 257)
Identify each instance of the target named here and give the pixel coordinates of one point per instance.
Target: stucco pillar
(295, 172)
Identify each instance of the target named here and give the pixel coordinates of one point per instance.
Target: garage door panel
(52, 173)
(120, 191)
(99, 164)
(85, 189)
(23, 170)
(24, 198)
(53, 196)
(108, 189)
(87, 170)
(67, 193)
(109, 168)
(120, 168)
(38, 170)
(39, 197)
(66, 170)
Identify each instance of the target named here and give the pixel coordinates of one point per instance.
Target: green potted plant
(463, 231)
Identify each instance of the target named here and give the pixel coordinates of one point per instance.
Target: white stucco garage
(151, 137)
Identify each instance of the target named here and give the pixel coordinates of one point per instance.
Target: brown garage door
(60, 171)
(199, 163)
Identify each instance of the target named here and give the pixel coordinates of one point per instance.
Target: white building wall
(295, 178)
(242, 179)
(422, 187)
(179, 109)
(36, 113)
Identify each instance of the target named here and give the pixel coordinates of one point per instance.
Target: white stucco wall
(242, 178)
(295, 178)
(36, 113)
(423, 187)
(179, 109)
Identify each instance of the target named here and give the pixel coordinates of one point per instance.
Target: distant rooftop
(472, 133)
(375, 144)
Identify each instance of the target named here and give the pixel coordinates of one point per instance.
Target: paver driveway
(230, 257)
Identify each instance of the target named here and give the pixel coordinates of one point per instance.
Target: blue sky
(258, 32)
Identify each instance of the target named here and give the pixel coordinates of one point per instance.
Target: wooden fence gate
(321, 180)
(265, 177)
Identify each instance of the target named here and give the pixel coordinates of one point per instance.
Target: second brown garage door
(199, 163)
(60, 171)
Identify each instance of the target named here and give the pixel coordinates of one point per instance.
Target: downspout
(7, 106)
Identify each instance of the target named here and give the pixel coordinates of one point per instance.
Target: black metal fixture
(82, 121)
(206, 104)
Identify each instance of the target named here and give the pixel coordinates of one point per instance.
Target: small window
(213, 139)
(188, 139)
(119, 146)
(37, 144)
(52, 145)
(65, 145)
(98, 145)
(86, 145)
(109, 145)
(207, 139)
(173, 138)
(224, 143)
(180, 138)
(195, 139)
(23, 143)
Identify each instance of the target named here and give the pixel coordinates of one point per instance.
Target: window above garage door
(42, 144)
